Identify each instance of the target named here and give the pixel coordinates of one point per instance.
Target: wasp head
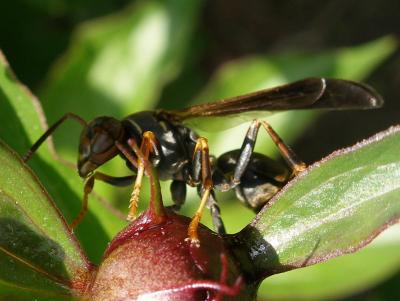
(97, 143)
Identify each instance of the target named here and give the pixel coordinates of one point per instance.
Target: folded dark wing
(310, 93)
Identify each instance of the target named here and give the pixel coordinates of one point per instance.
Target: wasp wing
(309, 93)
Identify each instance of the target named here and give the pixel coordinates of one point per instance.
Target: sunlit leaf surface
(337, 277)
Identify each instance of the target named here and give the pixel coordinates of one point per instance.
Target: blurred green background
(117, 57)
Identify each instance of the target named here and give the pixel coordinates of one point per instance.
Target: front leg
(147, 146)
(88, 187)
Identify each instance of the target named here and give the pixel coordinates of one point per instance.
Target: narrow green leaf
(337, 206)
(38, 254)
(356, 65)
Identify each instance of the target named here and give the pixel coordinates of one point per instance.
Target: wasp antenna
(49, 131)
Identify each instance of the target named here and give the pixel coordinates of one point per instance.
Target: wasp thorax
(97, 143)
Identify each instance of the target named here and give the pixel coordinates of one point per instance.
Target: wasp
(178, 153)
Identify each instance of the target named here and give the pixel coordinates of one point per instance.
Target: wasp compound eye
(101, 143)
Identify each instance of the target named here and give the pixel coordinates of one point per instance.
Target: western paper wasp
(180, 155)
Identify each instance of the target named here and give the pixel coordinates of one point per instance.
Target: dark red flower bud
(154, 261)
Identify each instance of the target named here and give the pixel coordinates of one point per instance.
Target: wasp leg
(247, 149)
(88, 187)
(147, 146)
(202, 173)
(287, 153)
(216, 214)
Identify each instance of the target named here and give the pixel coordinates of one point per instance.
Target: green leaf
(38, 255)
(336, 206)
(23, 124)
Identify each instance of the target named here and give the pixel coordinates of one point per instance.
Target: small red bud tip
(216, 288)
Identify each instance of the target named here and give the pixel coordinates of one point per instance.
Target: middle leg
(202, 174)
